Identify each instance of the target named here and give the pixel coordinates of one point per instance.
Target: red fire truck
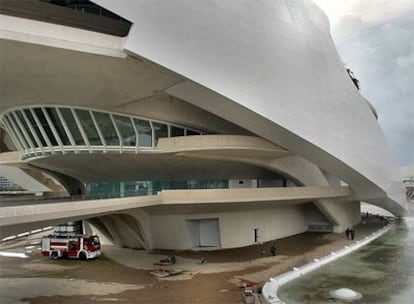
(81, 247)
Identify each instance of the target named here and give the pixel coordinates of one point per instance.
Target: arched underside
(123, 230)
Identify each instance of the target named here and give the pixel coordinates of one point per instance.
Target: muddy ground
(124, 275)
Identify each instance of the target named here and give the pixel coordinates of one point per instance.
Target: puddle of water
(381, 271)
(13, 254)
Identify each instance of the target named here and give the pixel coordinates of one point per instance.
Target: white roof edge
(277, 60)
(59, 36)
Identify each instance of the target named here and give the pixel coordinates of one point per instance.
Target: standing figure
(273, 249)
(352, 233)
(347, 232)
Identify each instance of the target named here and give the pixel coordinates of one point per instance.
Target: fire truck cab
(81, 247)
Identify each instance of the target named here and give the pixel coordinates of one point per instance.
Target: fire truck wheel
(55, 255)
(82, 256)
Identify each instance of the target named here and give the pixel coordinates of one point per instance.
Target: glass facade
(88, 126)
(141, 188)
(57, 123)
(176, 131)
(35, 127)
(27, 128)
(44, 125)
(16, 139)
(109, 134)
(192, 132)
(144, 132)
(160, 130)
(19, 131)
(56, 129)
(72, 126)
(126, 130)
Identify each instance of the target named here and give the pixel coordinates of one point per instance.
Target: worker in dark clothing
(347, 232)
(352, 233)
(273, 249)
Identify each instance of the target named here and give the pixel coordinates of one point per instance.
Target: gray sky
(375, 39)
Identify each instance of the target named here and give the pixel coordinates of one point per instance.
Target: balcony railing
(47, 130)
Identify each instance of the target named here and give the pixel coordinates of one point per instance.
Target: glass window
(14, 131)
(89, 127)
(26, 127)
(160, 130)
(73, 127)
(126, 129)
(54, 117)
(144, 132)
(176, 131)
(107, 128)
(35, 126)
(45, 125)
(20, 131)
(192, 132)
(103, 189)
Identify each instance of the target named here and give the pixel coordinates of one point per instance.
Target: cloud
(380, 11)
(369, 11)
(381, 54)
(406, 61)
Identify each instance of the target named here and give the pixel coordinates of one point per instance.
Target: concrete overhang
(33, 74)
(17, 219)
(178, 158)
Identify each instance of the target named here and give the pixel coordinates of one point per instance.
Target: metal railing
(44, 130)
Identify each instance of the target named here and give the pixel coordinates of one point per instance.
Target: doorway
(256, 235)
(204, 232)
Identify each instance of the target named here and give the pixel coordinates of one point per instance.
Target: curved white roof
(272, 68)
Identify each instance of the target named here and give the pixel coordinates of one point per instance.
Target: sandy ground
(123, 275)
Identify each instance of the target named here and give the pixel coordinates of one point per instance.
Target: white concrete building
(226, 123)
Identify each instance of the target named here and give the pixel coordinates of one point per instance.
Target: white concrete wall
(272, 68)
(236, 228)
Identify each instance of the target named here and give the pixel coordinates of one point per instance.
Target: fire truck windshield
(95, 240)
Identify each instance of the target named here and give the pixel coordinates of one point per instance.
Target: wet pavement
(123, 275)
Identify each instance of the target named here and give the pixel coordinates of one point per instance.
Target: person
(273, 249)
(169, 259)
(173, 259)
(352, 233)
(347, 232)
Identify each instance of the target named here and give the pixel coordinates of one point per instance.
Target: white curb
(270, 289)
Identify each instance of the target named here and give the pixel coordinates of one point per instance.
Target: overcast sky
(375, 39)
